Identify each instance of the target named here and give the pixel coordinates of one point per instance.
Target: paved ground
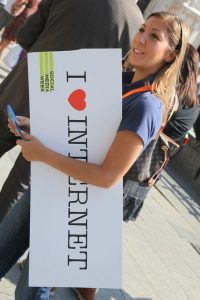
(161, 258)
(161, 249)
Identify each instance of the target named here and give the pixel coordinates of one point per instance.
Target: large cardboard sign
(76, 228)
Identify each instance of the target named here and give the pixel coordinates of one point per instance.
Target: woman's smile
(137, 51)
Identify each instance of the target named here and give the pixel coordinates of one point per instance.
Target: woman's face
(150, 48)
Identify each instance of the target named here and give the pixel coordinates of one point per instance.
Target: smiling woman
(156, 54)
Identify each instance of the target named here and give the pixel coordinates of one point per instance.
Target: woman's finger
(27, 136)
(20, 142)
(12, 128)
(23, 122)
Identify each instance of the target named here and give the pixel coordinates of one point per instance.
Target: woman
(177, 127)
(157, 53)
(21, 10)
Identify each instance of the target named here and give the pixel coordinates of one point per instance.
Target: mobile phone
(12, 118)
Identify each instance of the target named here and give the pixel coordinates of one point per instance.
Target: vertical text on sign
(77, 191)
(46, 72)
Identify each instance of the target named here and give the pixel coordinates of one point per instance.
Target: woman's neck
(142, 74)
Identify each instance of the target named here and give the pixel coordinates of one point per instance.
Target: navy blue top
(141, 112)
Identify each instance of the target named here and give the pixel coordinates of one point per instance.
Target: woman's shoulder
(149, 96)
(148, 101)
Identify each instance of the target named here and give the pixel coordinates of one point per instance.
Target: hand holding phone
(13, 119)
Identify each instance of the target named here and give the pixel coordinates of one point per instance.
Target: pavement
(161, 250)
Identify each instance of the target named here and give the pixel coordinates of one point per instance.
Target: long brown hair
(187, 86)
(167, 78)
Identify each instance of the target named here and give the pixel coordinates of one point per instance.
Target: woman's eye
(141, 30)
(154, 36)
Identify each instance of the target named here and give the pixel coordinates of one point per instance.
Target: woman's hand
(22, 122)
(32, 149)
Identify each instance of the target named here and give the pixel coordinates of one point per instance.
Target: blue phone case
(13, 119)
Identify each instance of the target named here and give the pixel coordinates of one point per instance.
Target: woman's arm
(123, 152)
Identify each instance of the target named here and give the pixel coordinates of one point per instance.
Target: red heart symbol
(77, 99)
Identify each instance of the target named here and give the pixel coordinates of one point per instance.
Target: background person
(21, 10)
(8, 10)
(183, 119)
(54, 27)
(5, 16)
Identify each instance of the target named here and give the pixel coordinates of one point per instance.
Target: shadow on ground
(182, 191)
(111, 294)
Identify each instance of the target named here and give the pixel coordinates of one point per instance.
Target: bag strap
(168, 139)
(145, 88)
(165, 148)
(152, 179)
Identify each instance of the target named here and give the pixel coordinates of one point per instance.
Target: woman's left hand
(32, 149)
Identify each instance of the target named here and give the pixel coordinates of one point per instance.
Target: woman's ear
(170, 56)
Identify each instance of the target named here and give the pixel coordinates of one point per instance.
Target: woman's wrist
(46, 154)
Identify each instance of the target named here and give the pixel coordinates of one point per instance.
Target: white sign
(76, 228)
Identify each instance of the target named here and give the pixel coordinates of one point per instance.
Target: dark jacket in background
(181, 121)
(69, 25)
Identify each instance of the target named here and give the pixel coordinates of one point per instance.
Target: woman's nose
(143, 38)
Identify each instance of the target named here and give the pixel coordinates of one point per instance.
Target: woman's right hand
(22, 122)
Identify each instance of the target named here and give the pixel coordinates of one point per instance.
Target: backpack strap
(145, 88)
